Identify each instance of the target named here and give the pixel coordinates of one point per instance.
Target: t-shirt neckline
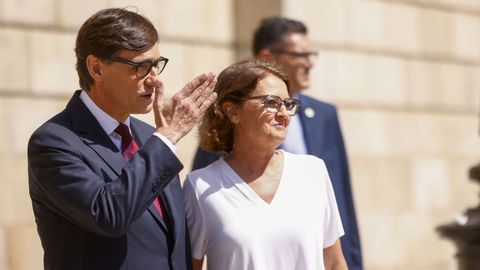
(247, 190)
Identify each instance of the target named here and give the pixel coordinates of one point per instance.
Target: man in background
(103, 184)
(315, 130)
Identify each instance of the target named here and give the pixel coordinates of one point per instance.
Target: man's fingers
(204, 89)
(159, 91)
(190, 88)
(203, 92)
(187, 106)
(158, 104)
(207, 103)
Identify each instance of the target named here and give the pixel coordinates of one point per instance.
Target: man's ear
(94, 66)
(231, 111)
(265, 54)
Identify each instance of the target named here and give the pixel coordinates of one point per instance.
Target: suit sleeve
(352, 249)
(62, 180)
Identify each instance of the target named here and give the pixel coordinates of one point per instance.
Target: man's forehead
(153, 52)
(296, 40)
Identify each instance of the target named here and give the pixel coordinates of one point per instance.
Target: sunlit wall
(405, 76)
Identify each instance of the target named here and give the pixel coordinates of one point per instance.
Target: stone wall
(405, 76)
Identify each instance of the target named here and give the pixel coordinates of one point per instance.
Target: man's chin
(305, 85)
(144, 110)
(300, 86)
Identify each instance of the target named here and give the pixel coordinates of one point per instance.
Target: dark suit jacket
(93, 209)
(323, 138)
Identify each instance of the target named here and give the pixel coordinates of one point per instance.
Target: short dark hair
(272, 31)
(233, 84)
(108, 32)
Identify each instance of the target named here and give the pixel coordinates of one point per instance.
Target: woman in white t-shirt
(259, 208)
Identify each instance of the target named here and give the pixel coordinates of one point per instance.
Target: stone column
(465, 233)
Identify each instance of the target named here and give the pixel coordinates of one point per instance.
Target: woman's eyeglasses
(274, 103)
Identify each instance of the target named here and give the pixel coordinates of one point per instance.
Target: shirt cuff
(170, 145)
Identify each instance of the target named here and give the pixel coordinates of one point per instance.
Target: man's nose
(309, 61)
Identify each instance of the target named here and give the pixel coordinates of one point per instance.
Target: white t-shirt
(238, 230)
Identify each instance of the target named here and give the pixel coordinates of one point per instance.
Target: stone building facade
(405, 75)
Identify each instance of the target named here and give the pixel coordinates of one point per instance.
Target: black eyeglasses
(305, 55)
(144, 67)
(274, 103)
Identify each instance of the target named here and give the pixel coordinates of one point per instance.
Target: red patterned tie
(129, 148)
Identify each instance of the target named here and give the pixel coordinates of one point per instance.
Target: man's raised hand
(176, 117)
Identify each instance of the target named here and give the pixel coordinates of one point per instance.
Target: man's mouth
(147, 96)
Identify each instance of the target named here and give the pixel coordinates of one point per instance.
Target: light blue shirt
(294, 142)
(109, 124)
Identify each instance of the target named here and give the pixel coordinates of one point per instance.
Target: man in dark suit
(104, 185)
(315, 130)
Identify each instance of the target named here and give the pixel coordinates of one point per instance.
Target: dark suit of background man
(315, 130)
(101, 199)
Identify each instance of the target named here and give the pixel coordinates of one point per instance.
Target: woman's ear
(94, 66)
(231, 111)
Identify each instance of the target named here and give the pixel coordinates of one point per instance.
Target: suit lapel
(312, 126)
(168, 200)
(308, 135)
(154, 212)
(92, 134)
(141, 133)
(169, 197)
